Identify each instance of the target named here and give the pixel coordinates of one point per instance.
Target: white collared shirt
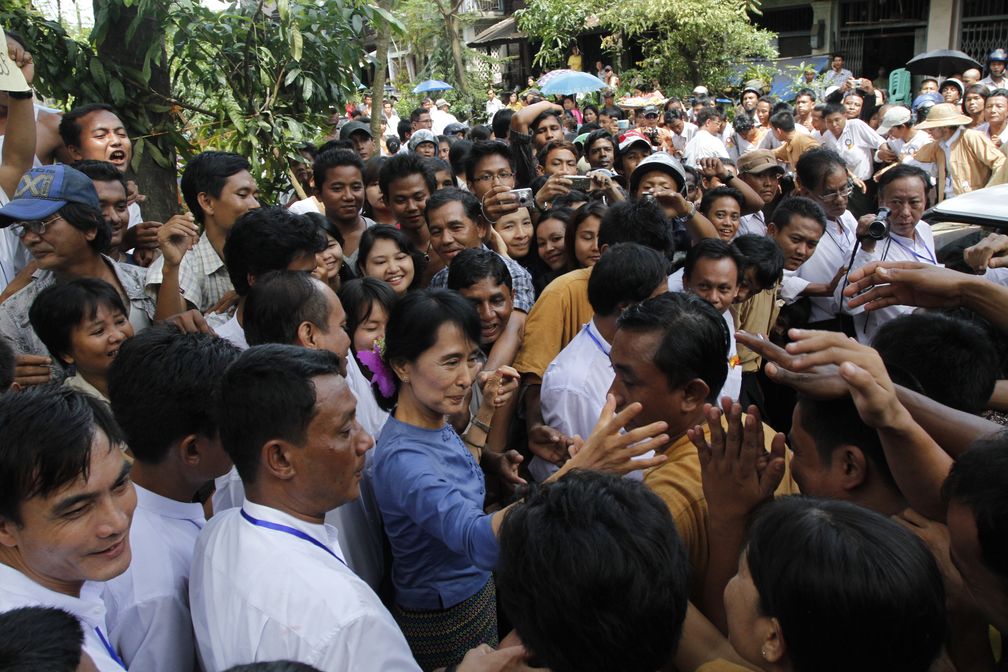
(148, 605)
(703, 145)
(680, 140)
(574, 390)
(754, 224)
(832, 252)
(946, 147)
(856, 145)
(920, 248)
(17, 590)
(259, 594)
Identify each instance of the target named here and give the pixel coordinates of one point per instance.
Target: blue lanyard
(286, 529)
(108, 647)
(597, 342)
(930, 256)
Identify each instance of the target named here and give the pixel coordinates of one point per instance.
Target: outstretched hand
(738, 473)
(882, 284)
(607, 449)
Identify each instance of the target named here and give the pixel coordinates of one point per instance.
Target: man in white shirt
(575, 384)
(441, 117)
(269, 580)
(713, 271)
(682, 131)
(837, 75)
(852, 139)
(492, 105)
(707, 141)
(904, 191)
(67, 505)
(295, 309)
(159, 385)
(902, 140)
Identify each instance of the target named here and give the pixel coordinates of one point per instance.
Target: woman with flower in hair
(427, 478)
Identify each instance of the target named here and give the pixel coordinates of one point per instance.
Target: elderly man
(966, 159)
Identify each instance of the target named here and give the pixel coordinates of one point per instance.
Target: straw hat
(944, 114)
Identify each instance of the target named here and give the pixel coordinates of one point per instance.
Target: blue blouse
(430, 491)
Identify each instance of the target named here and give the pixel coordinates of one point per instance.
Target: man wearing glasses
(56, 214)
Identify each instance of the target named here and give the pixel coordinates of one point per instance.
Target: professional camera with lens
(879, 227)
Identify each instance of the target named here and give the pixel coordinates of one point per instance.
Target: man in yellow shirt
(670, 353)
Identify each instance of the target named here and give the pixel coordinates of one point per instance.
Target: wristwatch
(21, 95)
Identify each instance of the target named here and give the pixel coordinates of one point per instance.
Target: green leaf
(291, 76)
(117, 91)
(158, 156)
(297, 42)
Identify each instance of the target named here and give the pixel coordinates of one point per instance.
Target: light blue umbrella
(567, 82)
(432, 85)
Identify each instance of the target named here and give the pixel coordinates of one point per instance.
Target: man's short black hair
(268, 239)
(543, 116)
(977, 480)
(208, 172)
(627, 273)
(159, 384)
(403, 129)
(705, 115)
(903, 170)
(743, 123)
(474, 264)
(70, 128)
(501, 123)
(415, 115)
(100, 171)
(404, 165)
(479, 133)
(595, 136)
(481, 150)
(335, 143)
(834, 108)
(834, 423)
(45, 442)
(763, 255)
(274, 666)
(334, 158)
(783, 121)
(801, 207)
(713, 248)
(279, 302)
(637, 221)
(458, 155)
(267, 393)
(7, 365)
(694, 340)
(40, 639)
(707, 202)
(442, 197)
(604, 548)
(62, 307)
(948, 359)
(806, 92)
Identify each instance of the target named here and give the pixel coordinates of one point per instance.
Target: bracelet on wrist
(21, 95)
(479, 424)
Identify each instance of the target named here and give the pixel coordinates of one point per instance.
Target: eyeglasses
(839, 193)
(490, 177)
(38, 226)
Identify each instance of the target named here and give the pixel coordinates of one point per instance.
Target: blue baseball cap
(45, 190)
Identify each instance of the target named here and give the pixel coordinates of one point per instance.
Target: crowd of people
(616, 390)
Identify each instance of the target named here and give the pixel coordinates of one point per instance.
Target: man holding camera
(899, 235)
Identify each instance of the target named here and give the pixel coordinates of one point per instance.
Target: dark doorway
(889, 51)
